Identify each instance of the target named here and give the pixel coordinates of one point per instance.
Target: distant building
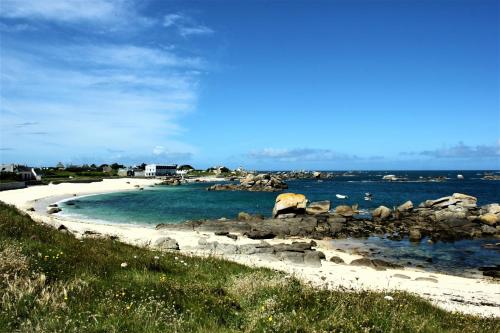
(60, 166)
(107, 169)
(156, 170)
(7, 167)
(24, 173)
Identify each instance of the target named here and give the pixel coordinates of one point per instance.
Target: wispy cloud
(460, 150)
(300, 154)
(185, 25)
(85, 94)
(63, 10)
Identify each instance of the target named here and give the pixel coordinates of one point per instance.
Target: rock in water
(290, 203)
(318, 207)
(382, 212)
(345, 210)
(415, 235)
(407, 206)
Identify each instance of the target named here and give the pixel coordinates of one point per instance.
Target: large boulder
(381, 212)
(407, 206)
(491, 209)
(345, 210)
(489, 218)
(415, 235)
(166, 243)
(316, 174)
(318, 207)
(290, 203)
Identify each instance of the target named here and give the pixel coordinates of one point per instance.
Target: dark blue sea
(165, 204)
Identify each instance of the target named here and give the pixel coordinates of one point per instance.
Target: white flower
(156, 257)
(135, 257)
(389, 298)
(123, 265)
(176, 258)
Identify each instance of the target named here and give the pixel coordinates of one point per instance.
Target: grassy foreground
(52, 282)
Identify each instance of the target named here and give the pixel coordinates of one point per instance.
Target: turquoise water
(164, 204)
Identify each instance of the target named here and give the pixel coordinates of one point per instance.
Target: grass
(52, 282)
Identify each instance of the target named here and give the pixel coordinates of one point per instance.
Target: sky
(268, 85)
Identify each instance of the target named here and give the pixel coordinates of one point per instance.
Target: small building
(156, 170)
(107, 169)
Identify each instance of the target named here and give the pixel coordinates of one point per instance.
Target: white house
(155, 170)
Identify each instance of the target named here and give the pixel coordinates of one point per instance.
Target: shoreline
(477, 296)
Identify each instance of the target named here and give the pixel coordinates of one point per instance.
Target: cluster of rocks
(297, 252)
(173, 181)
(446, 219)
(306, 175)
(264, 182)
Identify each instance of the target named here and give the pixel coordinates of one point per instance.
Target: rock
(491, 209)
(293, 257)
(407, 206)
(415, 235)
(345, 210)
(226, 248)
(242, 216)
(221, 233)
(489, 219)
(166, 243)
(259, 234)
(426, 279)
(337, 260)
(487, 230)
(390, 177)
(53, 205)
(318, 207)
(402, 276)
(232, 236)
(62, 227)
(377, 264)
(381, 212)
(492, 273)
(290, 203)
(317, 174)
(313, 258)
(31, 209)
(464, 197)
(53, 210)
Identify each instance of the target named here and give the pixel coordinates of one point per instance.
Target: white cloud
(461, 150)
(185, 25)
(300, 154)
(63, 10)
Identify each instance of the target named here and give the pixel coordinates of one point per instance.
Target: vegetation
(52, 282)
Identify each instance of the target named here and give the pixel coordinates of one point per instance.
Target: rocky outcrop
(260, 183)
(171, 182)
(445, 219)
(301, 253)
(289, 205)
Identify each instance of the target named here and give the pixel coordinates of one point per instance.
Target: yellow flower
(270, 318)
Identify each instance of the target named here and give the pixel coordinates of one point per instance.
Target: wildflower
(176, 258)
(270, 318)
(388, 298)
(123, 265)
(156, 257)
(135, 257)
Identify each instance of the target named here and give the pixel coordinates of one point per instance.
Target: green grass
(52, 282)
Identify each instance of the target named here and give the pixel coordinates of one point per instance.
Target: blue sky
(264, 84)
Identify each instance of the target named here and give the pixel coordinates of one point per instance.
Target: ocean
(166, 204)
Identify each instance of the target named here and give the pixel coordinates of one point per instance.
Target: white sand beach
(479, 296)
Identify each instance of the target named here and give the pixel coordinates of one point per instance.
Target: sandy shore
(469, 295)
